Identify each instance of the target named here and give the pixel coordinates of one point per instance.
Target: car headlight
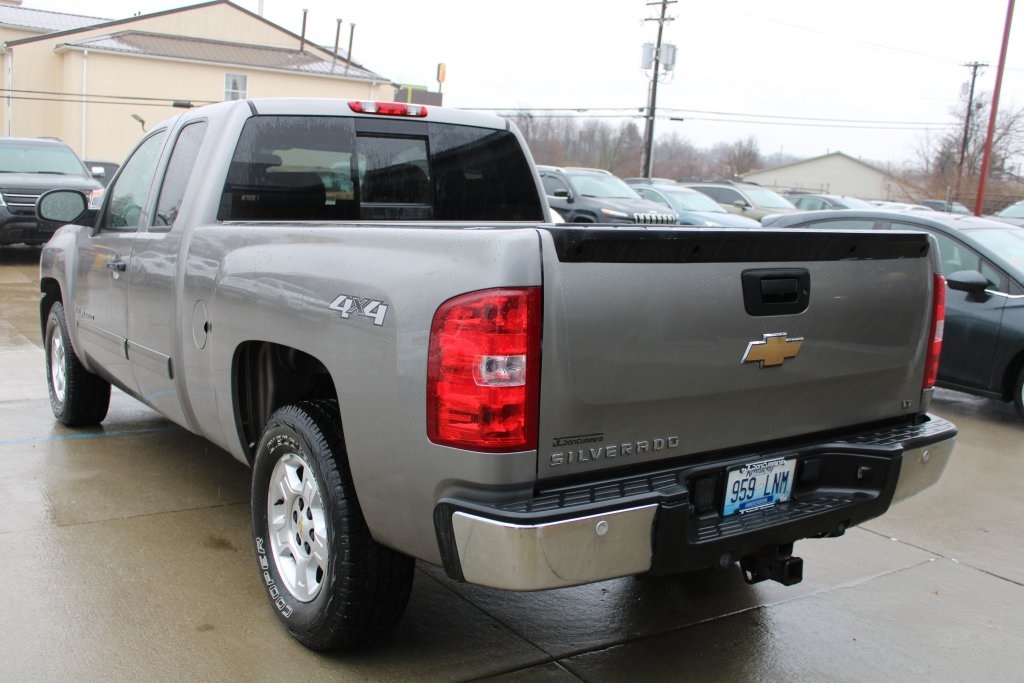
(611, 213)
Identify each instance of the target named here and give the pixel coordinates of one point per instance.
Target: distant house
(92, 82)
(837, 173)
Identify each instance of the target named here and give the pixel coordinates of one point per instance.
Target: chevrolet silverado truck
(368, 304)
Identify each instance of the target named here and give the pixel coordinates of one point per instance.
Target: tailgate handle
(780, 290)
(776, 291)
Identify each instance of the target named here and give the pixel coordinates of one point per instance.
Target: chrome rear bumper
(660, 522)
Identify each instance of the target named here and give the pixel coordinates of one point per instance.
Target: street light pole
(652, 94)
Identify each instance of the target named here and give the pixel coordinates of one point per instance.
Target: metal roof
(41, 20)
(310, 61)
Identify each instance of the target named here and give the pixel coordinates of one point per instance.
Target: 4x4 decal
(368, 308)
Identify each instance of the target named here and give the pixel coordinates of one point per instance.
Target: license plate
(758, 485)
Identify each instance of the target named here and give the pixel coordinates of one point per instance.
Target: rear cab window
(309, 168)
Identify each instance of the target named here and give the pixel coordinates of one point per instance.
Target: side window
(179, 170)
(954, 256)
(127, 197)
(810, 204)
(652, 196)
(551, 183)
(722, 195)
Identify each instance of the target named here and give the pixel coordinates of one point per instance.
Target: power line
(725, 116)
(130, 99)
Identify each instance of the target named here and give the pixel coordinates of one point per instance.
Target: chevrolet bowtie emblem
(772, 350)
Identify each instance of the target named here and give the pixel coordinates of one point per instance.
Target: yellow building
(93, 84)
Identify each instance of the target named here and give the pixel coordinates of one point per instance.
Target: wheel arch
(1013, 370)
(267, 376)
(51, 294)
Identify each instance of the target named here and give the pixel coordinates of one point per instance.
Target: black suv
(591, 195)
(28, 168)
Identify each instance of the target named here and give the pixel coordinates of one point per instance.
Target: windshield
(601, 186)
(39, 159)
(767, 199)
(1008, 243)
(692, 201)
(1013, 211)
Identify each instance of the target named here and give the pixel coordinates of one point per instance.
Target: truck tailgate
(661, 343)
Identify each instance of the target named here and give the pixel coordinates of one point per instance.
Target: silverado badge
(772, 350)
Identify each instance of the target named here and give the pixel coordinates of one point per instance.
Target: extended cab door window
(179, 170)
(126, 198)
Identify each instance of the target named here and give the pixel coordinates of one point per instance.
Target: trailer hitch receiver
(776, 563)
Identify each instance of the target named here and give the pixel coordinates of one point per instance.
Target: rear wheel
(1018, 392)
(330, 583)
(78, 397)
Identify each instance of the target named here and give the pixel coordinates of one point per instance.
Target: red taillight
(931, 368)
(387, 108)
(483, 370)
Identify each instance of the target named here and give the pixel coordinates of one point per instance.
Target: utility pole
(974, 67)
(652, 94)
(986, 157)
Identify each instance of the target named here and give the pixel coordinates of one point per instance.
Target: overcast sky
(876, 79)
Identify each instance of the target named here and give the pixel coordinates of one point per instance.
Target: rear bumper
(668, 520)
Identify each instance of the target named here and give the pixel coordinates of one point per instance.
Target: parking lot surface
(126, 555)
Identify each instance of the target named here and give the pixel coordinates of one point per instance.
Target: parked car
(28, 168)
(591, 195)
(692, 207)
(746, 199)
(1013, 214)
(983, 263)
(810, 201)
(943, 205)
(102, 171)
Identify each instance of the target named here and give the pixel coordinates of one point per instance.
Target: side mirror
(564, 194)
(970, 281)
(61, 206)
(98, 172)
(741, 204)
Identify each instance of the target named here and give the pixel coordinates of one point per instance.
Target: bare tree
(950, 164)
(739, 157)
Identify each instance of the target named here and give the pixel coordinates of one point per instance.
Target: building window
(235, 87)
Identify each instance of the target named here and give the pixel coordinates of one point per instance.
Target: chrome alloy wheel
(298, 527)
(58, 372)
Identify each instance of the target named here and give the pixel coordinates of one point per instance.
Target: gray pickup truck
(368, 304)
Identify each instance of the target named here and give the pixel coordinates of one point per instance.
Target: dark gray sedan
(983, 263)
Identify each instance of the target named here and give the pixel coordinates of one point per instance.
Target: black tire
(78, 397)
(354, 589)
(1018, 393)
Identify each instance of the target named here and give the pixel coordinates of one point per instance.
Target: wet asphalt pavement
(125, 553)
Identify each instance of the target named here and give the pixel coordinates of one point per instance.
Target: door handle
(117, 266)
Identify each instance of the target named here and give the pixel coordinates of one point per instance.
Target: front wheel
(78, 397)
(329, 582)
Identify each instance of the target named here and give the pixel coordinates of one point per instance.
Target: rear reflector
(931, 368)
(387, 108)
(483, 371)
